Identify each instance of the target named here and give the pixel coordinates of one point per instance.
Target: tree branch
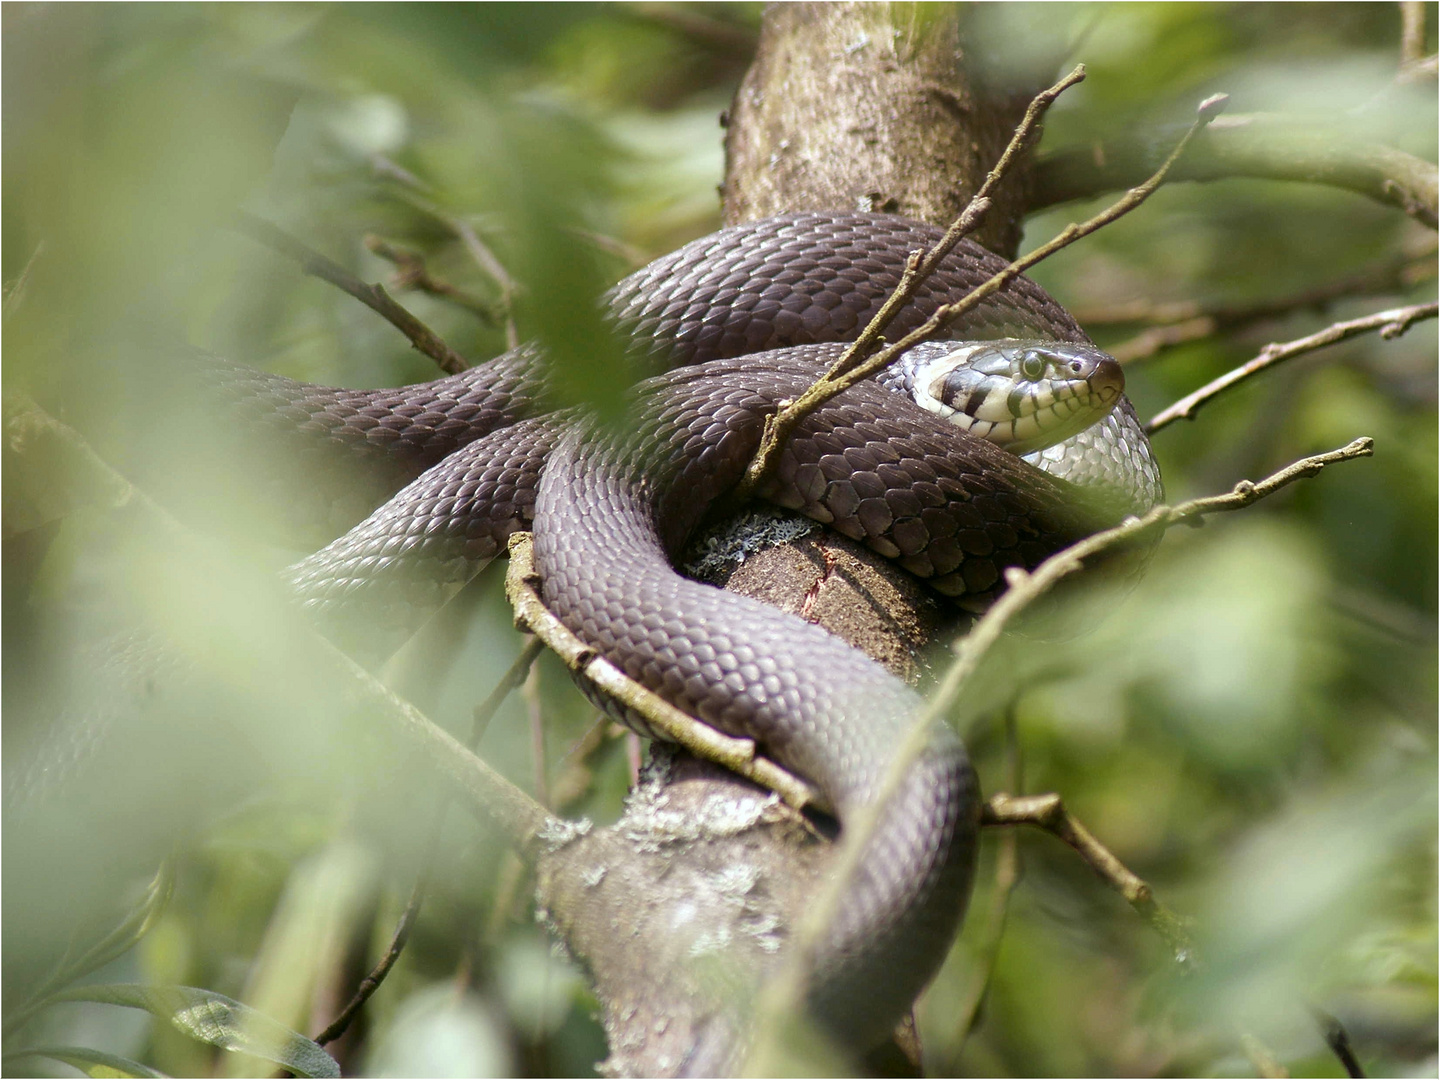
(1257, 146)
(1391, 324)
(1048, 812)
(372, 981)
(374, 297)
(412, 273)
(415, 193)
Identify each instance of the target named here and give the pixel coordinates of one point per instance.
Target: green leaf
(95, 1063)
(215, 1019)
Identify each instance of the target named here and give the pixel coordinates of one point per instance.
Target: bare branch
(514, 676)
(1048, 812)
(1391, 323)
(1265, 147)
(415, 193)
(412, 273)
(372, 981)
(484, 713)
(737, 755)
(374, 297)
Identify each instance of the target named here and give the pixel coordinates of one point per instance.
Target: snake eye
(1032, 366)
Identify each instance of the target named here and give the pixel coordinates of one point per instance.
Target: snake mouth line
(1022, 395)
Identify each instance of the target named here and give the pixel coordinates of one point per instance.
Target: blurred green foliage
(1252, 731)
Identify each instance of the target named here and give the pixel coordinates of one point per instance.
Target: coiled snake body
(609, 513)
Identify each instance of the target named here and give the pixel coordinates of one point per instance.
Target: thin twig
(484, 713)
(779, 426)
(411, 272)
(486, 260)
(372, 296)
(515, 675)
(1048, 812)
(372, 981)
(417, 194)
(1391, 324)
(1338, 1039)
(737, 755)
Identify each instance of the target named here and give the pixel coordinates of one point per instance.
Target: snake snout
(1105, 378)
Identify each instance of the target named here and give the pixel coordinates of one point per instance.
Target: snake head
(1022, 395)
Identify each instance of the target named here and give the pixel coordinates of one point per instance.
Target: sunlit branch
(1048, 812)
(1390, 324)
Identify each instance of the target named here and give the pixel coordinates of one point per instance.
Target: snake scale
(738, 321)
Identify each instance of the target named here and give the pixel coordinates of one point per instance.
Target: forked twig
(1048, 812)
(372, 296)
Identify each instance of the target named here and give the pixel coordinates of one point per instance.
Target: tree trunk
(684, 903)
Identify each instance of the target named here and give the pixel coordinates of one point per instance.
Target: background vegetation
(1253, 731)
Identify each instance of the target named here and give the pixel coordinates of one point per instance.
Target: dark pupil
(1032, 367)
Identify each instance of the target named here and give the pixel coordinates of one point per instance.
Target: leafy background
(1252, 731)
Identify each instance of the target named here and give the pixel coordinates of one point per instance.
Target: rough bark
(678, 909)
(868, 107)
